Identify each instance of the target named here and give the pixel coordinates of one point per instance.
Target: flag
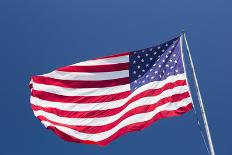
(98, 100)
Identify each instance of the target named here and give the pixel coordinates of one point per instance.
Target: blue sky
(39, 36)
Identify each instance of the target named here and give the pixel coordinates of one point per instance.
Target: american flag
(96, 101)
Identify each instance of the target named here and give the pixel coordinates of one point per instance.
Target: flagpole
(211, 148)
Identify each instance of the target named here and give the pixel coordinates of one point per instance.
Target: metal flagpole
(200, 99)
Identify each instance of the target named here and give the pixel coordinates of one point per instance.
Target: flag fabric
(96, 101)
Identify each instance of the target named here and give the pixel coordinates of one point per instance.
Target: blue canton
(155, 63)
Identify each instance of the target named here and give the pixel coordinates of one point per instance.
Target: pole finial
(183, 32)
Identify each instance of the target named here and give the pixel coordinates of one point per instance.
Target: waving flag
(98, 100)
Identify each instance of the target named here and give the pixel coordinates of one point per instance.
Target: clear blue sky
(39, 36)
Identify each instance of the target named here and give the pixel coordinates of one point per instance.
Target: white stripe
(105, 105)
(81, 91)
(130, 120)
(87, 76)
(92, 106)
(104, 61)
(107, 120)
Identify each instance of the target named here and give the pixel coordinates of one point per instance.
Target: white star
(173, 46)
(142, 60)
(160, 76)
(134, 52)
(139, 76)
(138, 67)
(151, 58)
(147, 65)
(158, 56)
(134, 72)
(150, 49)
(152, 77)
(135, 81)
(138, 56)
(155, 53)
(147, 76)
(163, 50)
(175, 61)
(166, 45)
(174, 55)
(163, 71)
(159, 66)
(143, 70)
(170, 60)
(156, 72)
(143, 81)
(176, 70)
(151, 70)
(169, 51)
(166, 56)
(158, 47)
(134, 62)
(147, 55)
(172, 67)
(143, 50)
(168, 73)
(167, 65)
(163, 60)
(154, 65)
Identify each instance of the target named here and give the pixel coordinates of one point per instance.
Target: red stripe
(115, 55)
(109, 112)
(137, 110)
(143, 125)
(79, 99)
(97, 68)
(126, 129)
(80, 84)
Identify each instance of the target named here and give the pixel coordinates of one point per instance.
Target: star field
(155, 63)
